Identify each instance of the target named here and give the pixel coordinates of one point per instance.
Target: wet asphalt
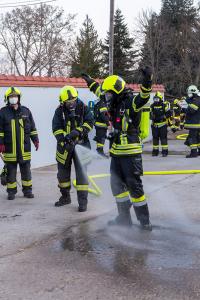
(78, 256)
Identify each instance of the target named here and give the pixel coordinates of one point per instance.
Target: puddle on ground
(124, 250)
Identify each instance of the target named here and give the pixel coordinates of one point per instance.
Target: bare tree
(37, 39)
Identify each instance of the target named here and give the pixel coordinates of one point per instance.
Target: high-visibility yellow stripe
(87, 126)
(33, 132)
(91, 85)
(99, 124)
(103, 109)
(27, 182)
(83, 187)
(99, 145)
(192, 125)
(13, 137)
(64, 184)
(122, 195)
(195, 107)
(128, 146)
(164, 146)
(125, 152)
(68, 127)
(11, 185)
(1, 134)
(59, 131)
(139, 199)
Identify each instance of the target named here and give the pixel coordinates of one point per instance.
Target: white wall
(42, 102)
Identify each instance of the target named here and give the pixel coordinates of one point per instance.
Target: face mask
(190, 95)
(70, 105)
(13, 100)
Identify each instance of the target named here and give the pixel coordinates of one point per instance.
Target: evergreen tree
(169, 46)
(124, 56)
(86, 52)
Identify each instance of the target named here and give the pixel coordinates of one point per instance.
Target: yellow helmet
(11, 91)
(113, 83)
(68, 93)
(158, 95)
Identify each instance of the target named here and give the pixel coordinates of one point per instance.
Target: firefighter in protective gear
(126, 161)
(101, 124)
(192, 121)
(159, 114)
(17, 130)
(176, 108)
(183, 105)
(71, 124)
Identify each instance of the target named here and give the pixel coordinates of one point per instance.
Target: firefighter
(17, 130)
(126, 161)
(101, 124)
(176, 107)
(183, 104)
(159, 114)
(192, 121)
(71, 124)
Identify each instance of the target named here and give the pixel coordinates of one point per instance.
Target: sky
(98, 11)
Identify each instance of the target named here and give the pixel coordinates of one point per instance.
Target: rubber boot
(11, 196)
(192, 154)
(164, 152)
(64, 199)
(142, 214)
(28, 194)
(100, 152)
(124, 217)
(155, 152)
(82, 201)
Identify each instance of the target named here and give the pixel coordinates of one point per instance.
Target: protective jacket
(176, 106)
(192, 119)
(101, 114)
(17, 129)
(159, 113)
(125, 117)
(64, 122)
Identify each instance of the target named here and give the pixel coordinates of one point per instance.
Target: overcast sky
(98, 11)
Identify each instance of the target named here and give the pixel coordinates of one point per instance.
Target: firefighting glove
(3, 176)
(2, 148)
(87, 78)
(72, 137)
(173, 129)
(36, 144)
(147, 75)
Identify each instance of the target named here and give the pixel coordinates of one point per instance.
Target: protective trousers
(26, 179)
(100, 137)
(127, 187)
(193, 140)
(159, 134)
(64, 179)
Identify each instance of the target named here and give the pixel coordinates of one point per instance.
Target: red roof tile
(37, 81)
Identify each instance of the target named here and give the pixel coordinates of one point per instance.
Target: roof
(38, 81)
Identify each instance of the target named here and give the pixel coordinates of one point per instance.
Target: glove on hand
(72, 136)
(36, 144)
(173, 129)
(87, 78)
(147, 74)
(2, 148)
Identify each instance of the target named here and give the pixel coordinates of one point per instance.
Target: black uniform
(63, 124)
(17, 129)
(101, 124)
(192, 122)
(126, 162)
(159, 113)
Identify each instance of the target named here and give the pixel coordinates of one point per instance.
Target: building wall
(42, 102)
